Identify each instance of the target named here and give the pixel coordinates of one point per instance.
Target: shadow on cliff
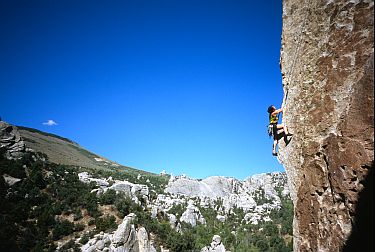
(362, 236)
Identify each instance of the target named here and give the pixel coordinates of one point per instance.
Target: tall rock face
(327, 63)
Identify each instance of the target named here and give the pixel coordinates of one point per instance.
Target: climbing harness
(269, 130)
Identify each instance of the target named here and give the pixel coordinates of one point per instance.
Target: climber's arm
(277, 111)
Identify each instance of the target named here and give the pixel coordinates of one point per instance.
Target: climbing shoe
(274, 153)
(289, 134)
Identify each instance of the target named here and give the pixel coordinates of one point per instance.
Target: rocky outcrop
(11, 141)
(257, 196)
(10, 180)
(125, 238)
(144, 244)
(134, 191)
(327, 62)
(259, 214)
(233, 192)
(216, 245)
(192, 215)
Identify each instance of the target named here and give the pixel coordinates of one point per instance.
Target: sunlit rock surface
(126, 238)
(327, 62)
(215, 246)
(233, 192)
(192, 215)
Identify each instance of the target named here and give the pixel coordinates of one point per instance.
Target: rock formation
(134, 191)
(215, 246)
(125, 238)
(10, 180)
(192, 215)
(256, 196)
(11, 141)
(327, 62)
(233, 192)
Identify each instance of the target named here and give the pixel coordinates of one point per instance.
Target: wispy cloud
(50, 123)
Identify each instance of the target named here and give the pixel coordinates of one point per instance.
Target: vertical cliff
(327, 63)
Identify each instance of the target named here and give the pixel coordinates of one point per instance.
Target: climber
(276, 130)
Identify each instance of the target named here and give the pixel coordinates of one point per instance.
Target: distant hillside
(61, 150)
(83, 202)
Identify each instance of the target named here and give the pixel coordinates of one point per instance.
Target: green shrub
(91, 222)
(106, 223)
(62, 229)
(77, 214)
(177, 209)
(108, 197)
(79, 227)
(126, 206)
(262, 245)
(84, 239)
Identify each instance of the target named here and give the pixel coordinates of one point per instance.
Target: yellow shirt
(273, 119)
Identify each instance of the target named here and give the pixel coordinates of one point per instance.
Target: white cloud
(50, 123)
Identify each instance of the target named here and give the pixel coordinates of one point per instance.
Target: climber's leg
(275, 139)
(275, 142)
(284, 128)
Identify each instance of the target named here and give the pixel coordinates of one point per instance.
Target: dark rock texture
(327, 63)
(11, 141)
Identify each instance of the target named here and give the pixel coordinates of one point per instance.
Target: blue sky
(181, 86)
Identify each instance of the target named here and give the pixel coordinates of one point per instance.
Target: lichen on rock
(327, 63)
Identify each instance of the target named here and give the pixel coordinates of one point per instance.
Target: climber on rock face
(276, 130)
